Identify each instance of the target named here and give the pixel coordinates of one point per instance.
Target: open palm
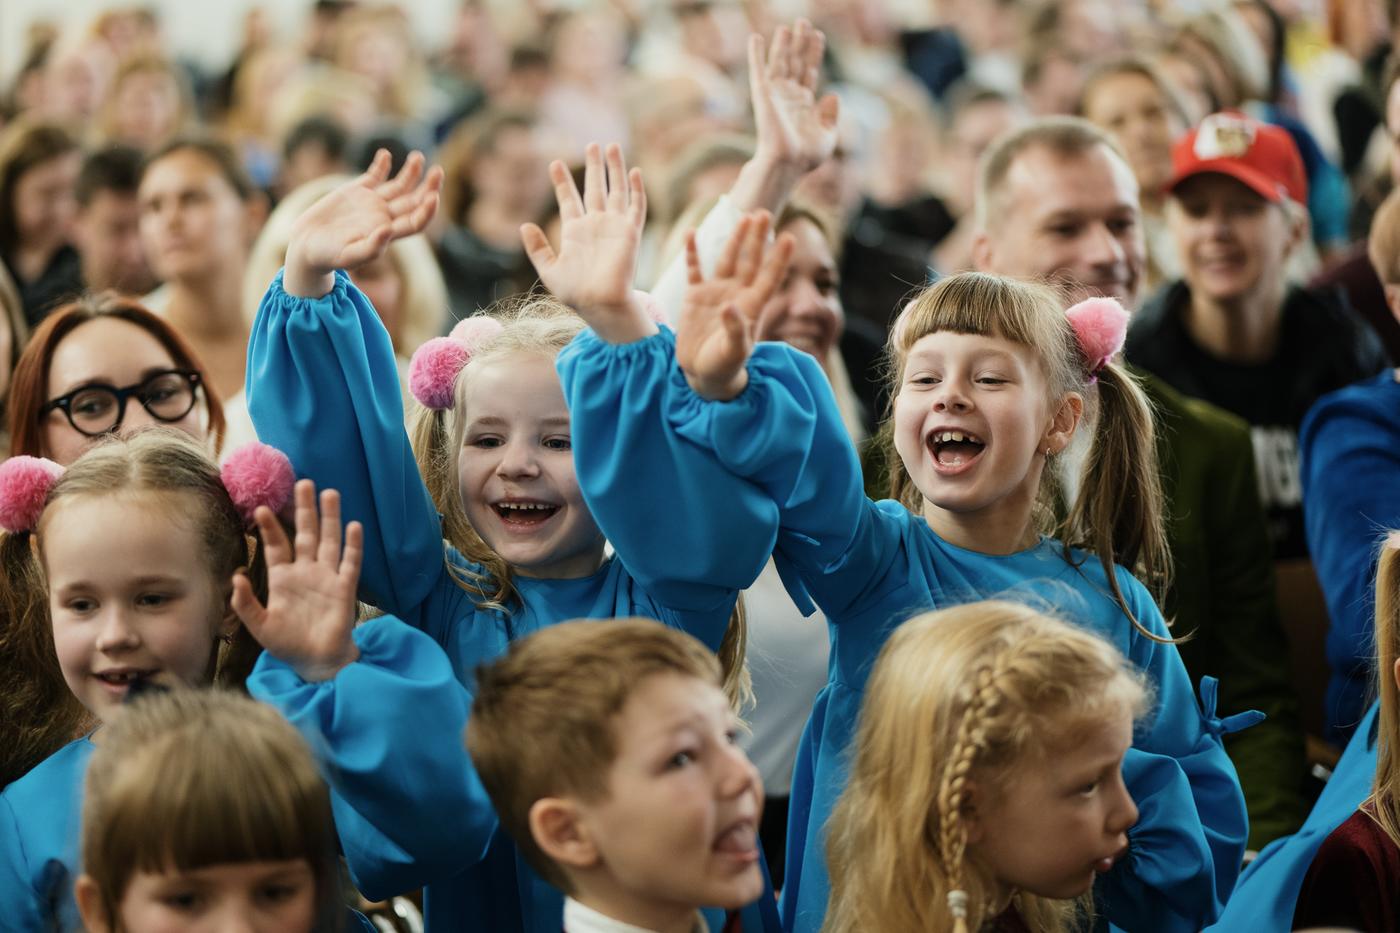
(600, 235)
(310, 609)
(720, 315)
(793, 124)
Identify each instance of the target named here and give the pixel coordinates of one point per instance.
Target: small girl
(135, 547)
(524, 550)
(1354, 880)
(986, 789)
(203, 809)
(991, 379)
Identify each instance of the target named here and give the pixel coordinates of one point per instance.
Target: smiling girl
(991, 379)
(143, 603)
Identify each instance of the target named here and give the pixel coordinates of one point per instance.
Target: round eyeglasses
(98, 408)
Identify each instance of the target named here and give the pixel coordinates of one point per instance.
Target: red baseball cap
(1260, 155)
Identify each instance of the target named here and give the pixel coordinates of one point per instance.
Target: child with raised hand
(203, 810)
(991, 377)
(986, 788)
(610, 755)
(134, 548)
(523, 549)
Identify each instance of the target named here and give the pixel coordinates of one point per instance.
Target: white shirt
(581, 919)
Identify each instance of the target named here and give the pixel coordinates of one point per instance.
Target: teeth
(942, 437)
(524, 506)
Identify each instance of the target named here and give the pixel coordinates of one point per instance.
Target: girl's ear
(559, 829)
(971, 815)
(1063, 423)
(89, 898)
(1395, 672)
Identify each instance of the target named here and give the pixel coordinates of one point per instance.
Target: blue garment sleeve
(323, 387)
(388, 732)
(784, 433)
(687, 529)
(1188, 844)
(1349, 456)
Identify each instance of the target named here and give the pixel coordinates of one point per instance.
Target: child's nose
(116, 632)
(517, 460)
(1124, 814)
(740, 775)
(951, 396)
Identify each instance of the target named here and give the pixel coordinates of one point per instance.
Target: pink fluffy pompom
(257, 474)
(433, 371)
(24, 488)
(472, 332)
(1100, 325)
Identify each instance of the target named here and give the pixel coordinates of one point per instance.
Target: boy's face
(678, 828)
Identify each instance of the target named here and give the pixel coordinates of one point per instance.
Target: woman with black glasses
(105, 364)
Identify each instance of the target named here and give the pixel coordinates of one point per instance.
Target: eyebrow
(146, 373)
(501, 422)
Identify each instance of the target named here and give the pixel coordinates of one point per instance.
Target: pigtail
(38, 713)
(1386, 797)
(968, 743)
(1118, 512)
(733, 647)
(433, 444)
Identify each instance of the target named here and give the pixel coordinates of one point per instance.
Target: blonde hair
(142, 64)
(537, 324)
(193, 778)
(957, 697)
(1385, 799)
(1117, 514)
(40, 713)
(542, 723)
(424, 300)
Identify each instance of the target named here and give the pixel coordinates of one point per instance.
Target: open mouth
(122, 678)
(739, 840)
(524, 514)
(955, 450)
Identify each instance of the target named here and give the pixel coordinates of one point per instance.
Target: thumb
(246, 604)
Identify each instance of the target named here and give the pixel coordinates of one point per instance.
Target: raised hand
(721, 315)
(793, 124)
(600, 234)
(310, 607)
(356, 222)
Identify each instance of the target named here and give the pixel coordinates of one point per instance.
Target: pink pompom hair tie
(258, 474)
(1100, 327)
(432, 373)
(24, 488)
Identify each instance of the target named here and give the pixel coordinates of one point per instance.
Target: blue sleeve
(1350, 464)
(323, 387)
(23, 908)
(688, 530)
(1188, 845)
(784, 434)
(388, 733)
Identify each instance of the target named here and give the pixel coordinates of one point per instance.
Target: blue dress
(1268, 888)
(870, 566)
(323, 387)
(40, 838)
(1349, 452)
(40, 835)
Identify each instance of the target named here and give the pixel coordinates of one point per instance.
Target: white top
(581, 919)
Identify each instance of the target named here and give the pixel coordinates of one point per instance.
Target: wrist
(301, 279)
(318, 670)
(765, 182)
(627, 323)
(719, 390)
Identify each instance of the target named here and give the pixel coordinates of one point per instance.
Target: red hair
(29, 388)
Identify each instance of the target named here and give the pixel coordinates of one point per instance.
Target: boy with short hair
(608, 751)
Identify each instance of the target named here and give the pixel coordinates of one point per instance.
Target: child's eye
(558, 443)
(732, 736)
(680, 760)
(992, 380)
(278, 892)
(924, 381)
(1088, 789)
(488, 442)
(183, 901)
(152, 600)
(81, 605)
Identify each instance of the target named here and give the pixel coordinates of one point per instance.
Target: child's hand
(600, 234)
(797, 131)
(720, 316)
(356, 222)
(793, 125)
(310, 607)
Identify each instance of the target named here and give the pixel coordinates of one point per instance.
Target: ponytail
(1117, 514)
(1385, 799)
(38, 713)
